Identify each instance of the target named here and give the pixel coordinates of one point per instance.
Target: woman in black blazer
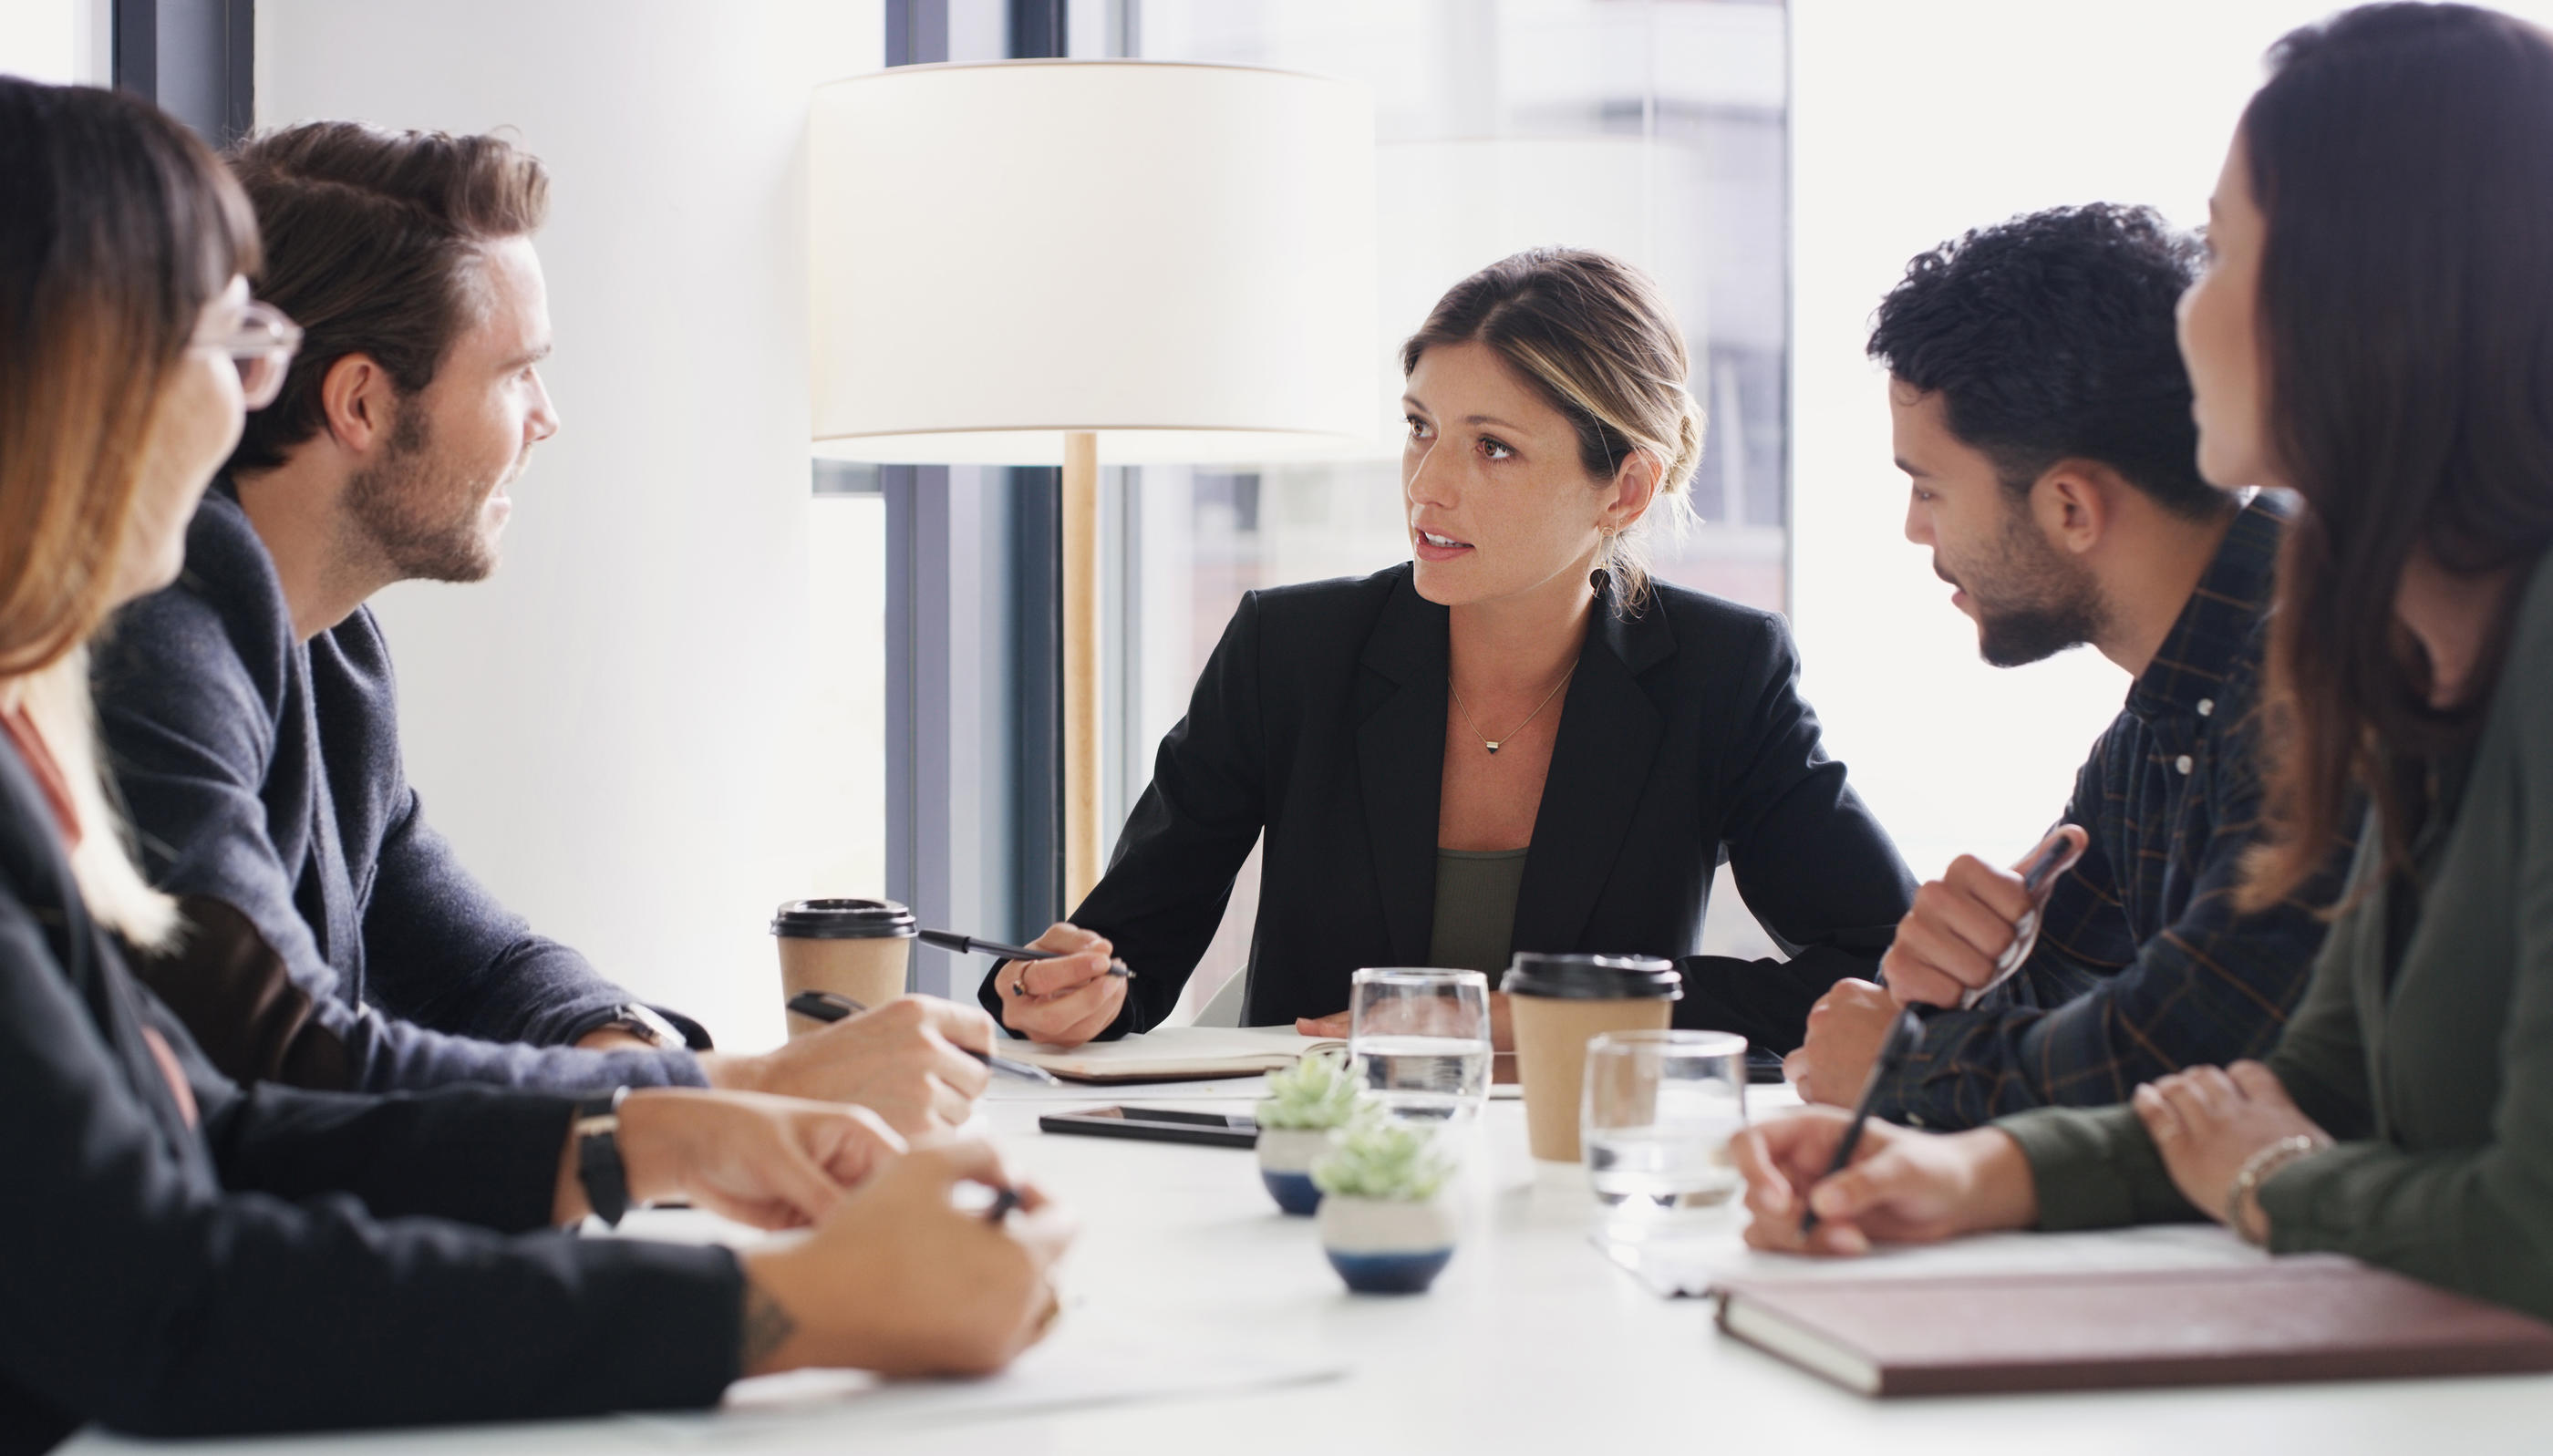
(185, 1256)
(1515, 741)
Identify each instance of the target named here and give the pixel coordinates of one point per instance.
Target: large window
(1656, 130)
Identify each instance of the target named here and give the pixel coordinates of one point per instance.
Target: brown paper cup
(1551, 1036)
(872, 972)
(861, 949)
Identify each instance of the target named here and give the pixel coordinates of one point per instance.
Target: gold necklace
(1493, 744)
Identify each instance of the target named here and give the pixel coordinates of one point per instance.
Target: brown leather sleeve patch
(241, 1005)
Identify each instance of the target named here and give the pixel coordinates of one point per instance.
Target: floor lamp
(1076, 262)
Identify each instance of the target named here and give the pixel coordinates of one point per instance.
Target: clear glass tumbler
(1659, 1112)
(1421, 1038)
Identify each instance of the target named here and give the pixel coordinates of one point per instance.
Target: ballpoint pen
(1903, 1034)
(830, 1006)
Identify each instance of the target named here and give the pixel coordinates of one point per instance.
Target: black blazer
(299, 1260)
(1683, 741)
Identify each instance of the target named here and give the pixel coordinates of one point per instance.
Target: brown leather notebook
(2306, 1318)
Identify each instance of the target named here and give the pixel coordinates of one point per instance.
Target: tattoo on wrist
(766, 1328)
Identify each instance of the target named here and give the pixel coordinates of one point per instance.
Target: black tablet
(1157, 1125)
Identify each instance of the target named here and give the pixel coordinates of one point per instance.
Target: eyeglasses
(262, 349)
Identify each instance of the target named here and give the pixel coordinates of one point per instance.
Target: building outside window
(1656, 130)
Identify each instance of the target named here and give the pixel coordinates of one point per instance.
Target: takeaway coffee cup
(858, 949)
(1557, 1003)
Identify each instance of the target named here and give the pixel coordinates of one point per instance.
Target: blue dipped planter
(1389, 1274)
(1286, 1157)
(1381, 1247)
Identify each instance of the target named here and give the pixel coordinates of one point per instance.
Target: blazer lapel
(1399, 710)
(1599, 766)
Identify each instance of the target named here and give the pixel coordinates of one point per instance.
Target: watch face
(644, 1024)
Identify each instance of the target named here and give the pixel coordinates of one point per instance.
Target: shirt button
(2182, 763)
(2207, 707)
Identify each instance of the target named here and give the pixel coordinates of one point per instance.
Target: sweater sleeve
(1813, 865)
(2097, 1168)
(2478, 1218)
(189, 730)
(168, 1304)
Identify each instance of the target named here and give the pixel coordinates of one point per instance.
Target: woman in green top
(2376, 332)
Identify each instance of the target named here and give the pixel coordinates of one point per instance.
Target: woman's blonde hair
(117, 227)
(1594, 337)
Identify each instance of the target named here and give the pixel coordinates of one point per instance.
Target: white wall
(608, 729)
(57, 40)
(1912, 122)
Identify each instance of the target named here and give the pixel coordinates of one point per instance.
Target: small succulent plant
(1317, 1093)
(1391, 1161)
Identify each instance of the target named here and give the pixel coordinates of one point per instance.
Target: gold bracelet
(2258, 1170)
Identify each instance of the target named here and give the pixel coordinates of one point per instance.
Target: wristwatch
(598, 1168)
(634, 1020)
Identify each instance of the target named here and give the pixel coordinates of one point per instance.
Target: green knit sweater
(2436, 1079)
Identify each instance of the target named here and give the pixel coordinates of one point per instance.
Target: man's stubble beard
(421, 519)
(2038, 605)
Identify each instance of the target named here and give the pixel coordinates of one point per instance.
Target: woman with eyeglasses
(187, 1256)
(2375, 332)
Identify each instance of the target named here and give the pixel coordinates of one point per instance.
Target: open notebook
(1177, 1053)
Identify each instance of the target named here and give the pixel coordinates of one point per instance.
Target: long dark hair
(2403, 157)
(117, 226)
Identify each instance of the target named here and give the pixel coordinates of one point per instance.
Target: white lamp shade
(1177, 258)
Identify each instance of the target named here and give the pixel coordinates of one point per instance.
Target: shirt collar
(2221, 624)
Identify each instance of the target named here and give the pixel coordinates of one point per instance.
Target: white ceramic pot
(1286, 1157)
(1384, 1247)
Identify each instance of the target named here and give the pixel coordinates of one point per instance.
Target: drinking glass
(1659, 1112)
(1421, 1038)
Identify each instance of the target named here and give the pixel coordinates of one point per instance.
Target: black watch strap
(597, 1156)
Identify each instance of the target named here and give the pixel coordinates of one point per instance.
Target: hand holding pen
(1973, 926)
(1070, 994)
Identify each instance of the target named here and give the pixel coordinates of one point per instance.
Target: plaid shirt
(2142, 966)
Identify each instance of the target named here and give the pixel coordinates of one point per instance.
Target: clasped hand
(2208, 1121)
(769, 1161)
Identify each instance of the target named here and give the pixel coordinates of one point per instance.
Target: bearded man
(250, 712)
(2042, 419)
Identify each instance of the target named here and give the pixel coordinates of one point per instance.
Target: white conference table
(1530, 1341)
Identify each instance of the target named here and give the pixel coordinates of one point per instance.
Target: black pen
(1005, 1201)
(1903, 1034)
(978, 945)
(827, 1006)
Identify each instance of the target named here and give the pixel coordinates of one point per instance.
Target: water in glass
(1421, 1038)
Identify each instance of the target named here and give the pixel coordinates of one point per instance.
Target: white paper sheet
(1076, 1369)
(1694, 1266)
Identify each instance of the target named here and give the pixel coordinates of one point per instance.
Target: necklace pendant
(1492, 747)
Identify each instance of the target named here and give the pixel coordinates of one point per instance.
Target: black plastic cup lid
(841, 920)
(1592, 977)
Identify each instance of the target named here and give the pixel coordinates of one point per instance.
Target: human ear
(1633, 491)
(2073, 505)
(356, 399)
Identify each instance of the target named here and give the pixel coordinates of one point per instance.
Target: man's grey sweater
(265, 783)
